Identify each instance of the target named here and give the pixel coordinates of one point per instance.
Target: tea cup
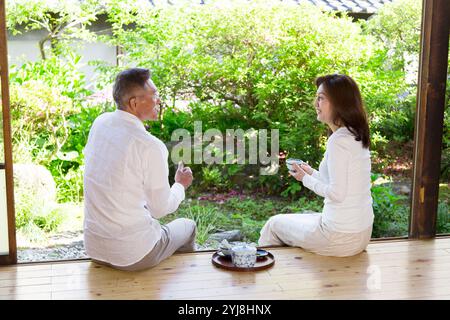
(290, 163)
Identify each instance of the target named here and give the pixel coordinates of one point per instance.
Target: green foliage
(67, 167)
(38, 118)
(212, 178)
(239, 65)
(51, 120)
(69, 183)
(250, 66)
(251, 213)
(58, 73)
(397, 25)
(248, 215)
(34, 213)
(304, 204)
(292, 189)
(206, 218)
(62, 21)
(443, 218)
(390, 211)
(445, 159)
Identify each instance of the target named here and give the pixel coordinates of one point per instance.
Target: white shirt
(126, 189)
(344, 180)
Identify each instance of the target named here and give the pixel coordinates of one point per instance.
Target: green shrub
(246, 65)
(60, 24)
(211, 178)
(390, 211)
(33, 213)
(443, 218)
(249, 65)
(38, 119)
(304, 204)
(61, 74)
(49, 130)
(445, 158)
(206, 218)
(253, 65)
(397, 26)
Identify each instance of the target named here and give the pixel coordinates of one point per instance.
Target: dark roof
(353, 6)
(362, 6)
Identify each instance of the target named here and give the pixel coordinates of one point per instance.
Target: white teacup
(244, 256)
(290, 162)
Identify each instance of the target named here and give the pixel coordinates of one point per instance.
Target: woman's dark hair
(128, 80)
(347, 105)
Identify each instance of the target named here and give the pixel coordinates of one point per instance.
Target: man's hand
(184, 175)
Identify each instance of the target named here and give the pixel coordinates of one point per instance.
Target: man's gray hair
(128, 80)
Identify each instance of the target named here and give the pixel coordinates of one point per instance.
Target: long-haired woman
(344, 227)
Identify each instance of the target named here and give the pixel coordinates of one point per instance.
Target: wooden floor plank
(32, 296)
(182, 281)
(25, 282)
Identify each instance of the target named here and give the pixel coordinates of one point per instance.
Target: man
(126, 185)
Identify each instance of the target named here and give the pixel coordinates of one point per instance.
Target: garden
(239, 65)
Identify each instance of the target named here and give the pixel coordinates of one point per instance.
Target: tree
(397, 25)
(63, 21)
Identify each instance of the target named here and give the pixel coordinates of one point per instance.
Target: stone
(35, 179)
(232, 235)
(403, 188)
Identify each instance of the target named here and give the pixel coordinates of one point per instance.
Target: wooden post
(12, 257)
(429, 117)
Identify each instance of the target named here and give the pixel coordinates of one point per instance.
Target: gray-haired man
(126, 185)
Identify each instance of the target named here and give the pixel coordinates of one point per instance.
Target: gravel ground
(63, 246)
(74, 250)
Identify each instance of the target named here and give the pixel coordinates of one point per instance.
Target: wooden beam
(12, 257)
(429, 117)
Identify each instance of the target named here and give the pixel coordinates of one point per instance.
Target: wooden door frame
(428, 132)
(11, 258)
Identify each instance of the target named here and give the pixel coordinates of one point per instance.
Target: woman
(344, 227)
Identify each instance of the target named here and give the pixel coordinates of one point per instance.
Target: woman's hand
(306, 168)
(298, 172)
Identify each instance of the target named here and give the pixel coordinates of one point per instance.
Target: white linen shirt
(344, 180)
(126, 188)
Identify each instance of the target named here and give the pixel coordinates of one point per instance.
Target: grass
(245, 213)
(206, 218)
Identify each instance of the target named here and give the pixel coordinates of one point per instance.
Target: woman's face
(323, 107)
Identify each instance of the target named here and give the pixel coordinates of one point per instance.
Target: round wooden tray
(226, 263)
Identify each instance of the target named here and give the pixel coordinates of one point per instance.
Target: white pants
(307, 231)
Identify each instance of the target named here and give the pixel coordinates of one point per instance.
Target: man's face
(145, 104)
